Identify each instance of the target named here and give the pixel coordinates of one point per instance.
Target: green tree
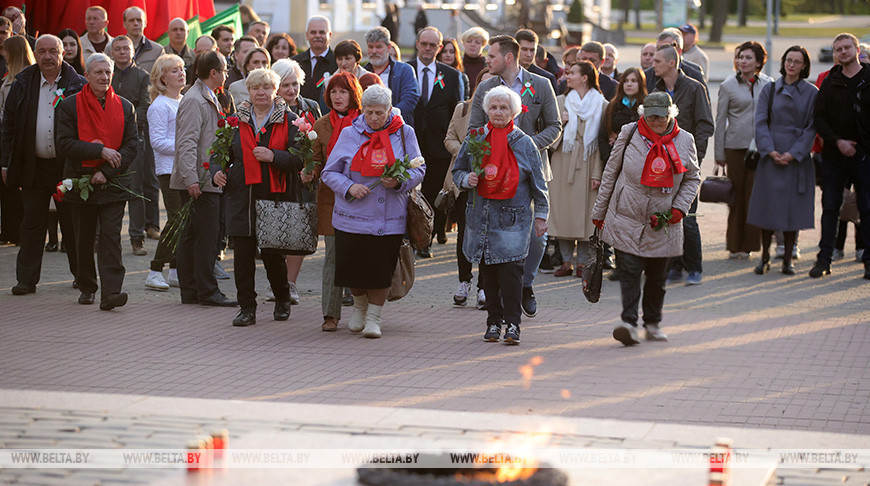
(575, 13)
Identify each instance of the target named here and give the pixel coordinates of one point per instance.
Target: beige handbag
(403, 277)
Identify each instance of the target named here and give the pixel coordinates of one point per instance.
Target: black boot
(764, 266)
(282, 310)
(246, 317)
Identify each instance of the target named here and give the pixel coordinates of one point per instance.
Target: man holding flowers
(89, 139)
(371, 203)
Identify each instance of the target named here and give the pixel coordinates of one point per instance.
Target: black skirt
(365, 261)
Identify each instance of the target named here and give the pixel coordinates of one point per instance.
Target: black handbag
(593, 273)
(717, 189)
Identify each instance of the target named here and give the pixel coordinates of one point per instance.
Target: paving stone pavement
(746, 351)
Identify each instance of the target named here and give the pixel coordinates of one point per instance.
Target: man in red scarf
(91, 139)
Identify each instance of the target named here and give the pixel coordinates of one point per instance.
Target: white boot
(358, 318)
(373, 321)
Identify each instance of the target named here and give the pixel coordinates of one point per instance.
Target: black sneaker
(820, 269)
(546, 265)
(347, 298)
(529, 304)
(493, 332)
(512, 334)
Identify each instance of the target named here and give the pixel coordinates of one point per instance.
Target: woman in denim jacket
(499, 212)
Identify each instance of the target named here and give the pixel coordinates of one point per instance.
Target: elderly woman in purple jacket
(370, 210)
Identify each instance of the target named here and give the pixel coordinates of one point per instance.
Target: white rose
(312, 135)
(66, 185)
(416, 162)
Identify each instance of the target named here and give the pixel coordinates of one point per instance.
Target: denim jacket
(499, 230)
(384, 211)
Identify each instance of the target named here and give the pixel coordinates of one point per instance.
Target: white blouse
(161, 126)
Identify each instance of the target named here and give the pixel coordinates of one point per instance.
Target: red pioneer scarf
(376, 153)
(662, 161)
(501, 174)
(97, 124)
(339, 123)
(277, 141)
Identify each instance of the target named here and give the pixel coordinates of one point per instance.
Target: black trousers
(34, 223)
(10, 213)
(85, 219)
(197, 249)
(464, 265)
(630, 269)
(433, 181)
(244, 266)
(503, 286)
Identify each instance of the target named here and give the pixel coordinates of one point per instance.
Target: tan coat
(625, 205)
(195, 125)
(456, 133)
(571, 196)
(325, 196)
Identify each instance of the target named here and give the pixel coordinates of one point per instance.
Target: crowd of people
(535, 157)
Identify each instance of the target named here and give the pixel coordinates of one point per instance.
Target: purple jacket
(384, 211)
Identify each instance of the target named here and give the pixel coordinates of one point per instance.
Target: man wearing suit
(674, 37)
(397, 76)
(528, 50)
(539, 120)
(594, 53)
(29, 159)
(439, 94)
(318, 61)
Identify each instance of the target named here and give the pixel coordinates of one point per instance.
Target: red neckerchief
(97, 124)
(339, 123)
(501, 174)
(376, 153)
(277, 141)
(657, 171)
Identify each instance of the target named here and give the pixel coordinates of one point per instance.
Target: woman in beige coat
(576, 166)
(649, 183)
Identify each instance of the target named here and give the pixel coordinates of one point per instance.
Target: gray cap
(657, 104)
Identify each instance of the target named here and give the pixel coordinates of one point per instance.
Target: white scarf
(588, 109)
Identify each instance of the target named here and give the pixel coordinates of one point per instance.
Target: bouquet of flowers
(478, 148)
(305, 137)
(171, 235)
(220, 149)
(399, 170)
(84, 187)
(661, 220)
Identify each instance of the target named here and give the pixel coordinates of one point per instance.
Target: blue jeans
(837, 171)
(691, 259)
(533, 260)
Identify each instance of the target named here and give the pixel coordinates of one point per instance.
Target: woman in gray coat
(647, 187)
(499, 213)
(784, 192)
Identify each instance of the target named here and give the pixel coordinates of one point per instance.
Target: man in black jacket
(439, 95)
(673, 37)
(131, 83)
(318, 61)
(97, 135)
(528, 40)
(29, 159)
(594, 53)
(842, 118)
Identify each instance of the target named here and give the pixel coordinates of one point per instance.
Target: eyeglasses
(798, 62)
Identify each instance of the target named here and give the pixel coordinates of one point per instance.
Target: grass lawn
(756, 32)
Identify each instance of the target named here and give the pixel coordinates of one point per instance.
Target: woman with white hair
(499, 213)
(292, 78)
(261, 167)
(646, 190)
(370, 215)
(167, 81)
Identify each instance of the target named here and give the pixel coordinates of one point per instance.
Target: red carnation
(222, 123)
(653, 221)
(233, 121)
(525, 109)
(205, 165)
(58, 196)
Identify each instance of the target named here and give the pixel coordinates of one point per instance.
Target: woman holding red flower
(652, 173)
(505, 179)
(260, 167)
(343, 93)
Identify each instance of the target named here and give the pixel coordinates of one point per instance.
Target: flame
(528, 370)
(519, 447)
(514, 473)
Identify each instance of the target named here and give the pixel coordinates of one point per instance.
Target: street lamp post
(768, 44)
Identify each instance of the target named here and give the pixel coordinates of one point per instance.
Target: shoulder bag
(403, 276)
(420, 217)
(287, 227)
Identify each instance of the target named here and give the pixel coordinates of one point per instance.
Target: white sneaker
(796, 253)
(173, 278)
(780, 251)
(481, 300)
(838, 255)
(154, 281)
(460, 297)
(859, 255)
(270, 296)
(294, 294)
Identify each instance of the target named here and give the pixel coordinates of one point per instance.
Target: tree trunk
(637, 15)
(626, 8)
(742, 12)
(702, 16)
(659, 15)
(720, 16)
